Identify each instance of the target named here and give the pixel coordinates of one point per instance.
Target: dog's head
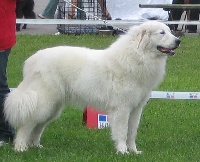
(157, 37)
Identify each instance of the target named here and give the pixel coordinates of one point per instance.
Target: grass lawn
(169, 130)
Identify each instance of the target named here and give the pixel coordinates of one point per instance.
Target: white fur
(118, 80)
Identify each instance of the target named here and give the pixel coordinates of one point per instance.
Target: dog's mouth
(168, 51)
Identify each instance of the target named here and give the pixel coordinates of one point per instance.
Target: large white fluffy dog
(118, 80)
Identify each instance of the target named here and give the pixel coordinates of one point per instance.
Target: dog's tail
(19, 106)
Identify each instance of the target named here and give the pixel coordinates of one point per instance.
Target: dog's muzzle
(169, 51)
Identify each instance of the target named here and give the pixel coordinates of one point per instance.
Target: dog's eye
(162, 32)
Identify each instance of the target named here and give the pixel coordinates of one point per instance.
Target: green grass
(169, 129)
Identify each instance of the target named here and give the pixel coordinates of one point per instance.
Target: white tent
(129, 9)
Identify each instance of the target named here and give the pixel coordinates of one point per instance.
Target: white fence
(97, 22)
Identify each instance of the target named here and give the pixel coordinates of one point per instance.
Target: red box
(91, 117)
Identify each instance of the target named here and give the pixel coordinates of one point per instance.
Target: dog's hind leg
(22, 136)
(35, 136)
(34, 139)
(119, 127)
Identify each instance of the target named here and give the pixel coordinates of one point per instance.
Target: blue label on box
(102, 121)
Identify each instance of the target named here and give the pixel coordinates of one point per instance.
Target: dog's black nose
(178, 41)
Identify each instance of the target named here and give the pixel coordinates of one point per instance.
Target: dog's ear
(140, 37)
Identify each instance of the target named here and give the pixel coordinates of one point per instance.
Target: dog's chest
(150, 73)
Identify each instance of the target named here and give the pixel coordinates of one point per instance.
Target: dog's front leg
(118, 119)
(134, 120)
(133, 124)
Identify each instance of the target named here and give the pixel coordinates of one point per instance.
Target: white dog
(118, 80)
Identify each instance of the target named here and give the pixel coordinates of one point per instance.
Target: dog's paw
(36, 145)
(20, 145)
(132, 148)
(39, 146)
(123, 152)
(122, 149)
(135, 151)
(20, 148)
